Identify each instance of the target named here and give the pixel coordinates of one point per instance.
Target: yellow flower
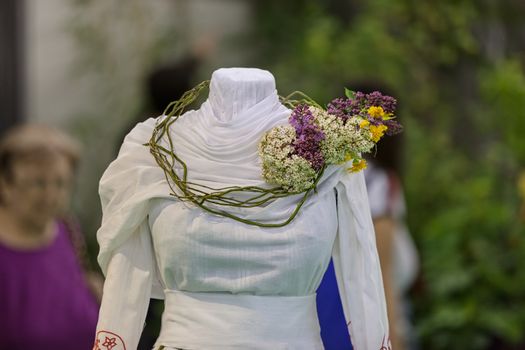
(376, 112)
(364, 123)
(357, 166)
(377, 131)
(348, 157)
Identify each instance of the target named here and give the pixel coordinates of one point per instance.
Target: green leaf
(349, 93)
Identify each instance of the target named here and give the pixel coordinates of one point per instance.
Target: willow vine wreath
(294, 156)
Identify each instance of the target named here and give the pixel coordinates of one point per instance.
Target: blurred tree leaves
(504, 90)
(457, 68)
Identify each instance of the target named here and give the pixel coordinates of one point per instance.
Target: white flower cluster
(341, 139)
(359, 138)
(279, 166)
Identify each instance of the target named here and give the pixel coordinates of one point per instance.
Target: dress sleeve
(127, 291)
(126, 254)
(357, 268)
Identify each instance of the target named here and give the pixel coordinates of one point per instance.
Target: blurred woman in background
(47, 299)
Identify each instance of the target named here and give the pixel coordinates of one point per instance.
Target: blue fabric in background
(330, 312)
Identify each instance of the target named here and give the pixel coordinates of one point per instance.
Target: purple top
(45, 303)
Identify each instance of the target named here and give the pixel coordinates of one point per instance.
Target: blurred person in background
(48, 299)
(397, 251)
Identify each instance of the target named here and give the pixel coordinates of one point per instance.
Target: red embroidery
(108, 341)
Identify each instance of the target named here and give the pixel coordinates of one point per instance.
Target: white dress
(228, 285)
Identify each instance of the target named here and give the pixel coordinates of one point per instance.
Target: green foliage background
(457, 69)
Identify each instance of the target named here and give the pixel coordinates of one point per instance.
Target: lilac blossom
(393, 127)
(377, 99)
(345, 108)
(308, 136)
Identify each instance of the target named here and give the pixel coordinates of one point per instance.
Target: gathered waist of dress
(237, 321)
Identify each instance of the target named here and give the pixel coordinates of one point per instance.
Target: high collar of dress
(235, 90)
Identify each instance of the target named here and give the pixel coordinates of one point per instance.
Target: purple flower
(339, 108)
(308, 136)
(300, 117)
(377, 99)
(393, 127)
(345, 108)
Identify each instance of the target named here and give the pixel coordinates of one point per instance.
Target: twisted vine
(201, 195)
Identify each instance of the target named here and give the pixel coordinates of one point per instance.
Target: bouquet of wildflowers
(293, 155)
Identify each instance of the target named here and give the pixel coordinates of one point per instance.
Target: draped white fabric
(150, 241)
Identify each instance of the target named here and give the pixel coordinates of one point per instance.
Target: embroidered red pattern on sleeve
(108, 341)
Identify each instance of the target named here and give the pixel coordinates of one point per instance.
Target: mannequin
(228, 285)
(234, 90)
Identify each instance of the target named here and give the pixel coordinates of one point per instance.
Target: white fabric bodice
(199, 252)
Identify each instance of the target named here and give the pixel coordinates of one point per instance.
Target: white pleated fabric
(152, 244)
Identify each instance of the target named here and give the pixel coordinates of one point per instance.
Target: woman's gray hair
(29, 140)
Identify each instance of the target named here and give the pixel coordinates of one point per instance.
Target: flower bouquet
(294, 155)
